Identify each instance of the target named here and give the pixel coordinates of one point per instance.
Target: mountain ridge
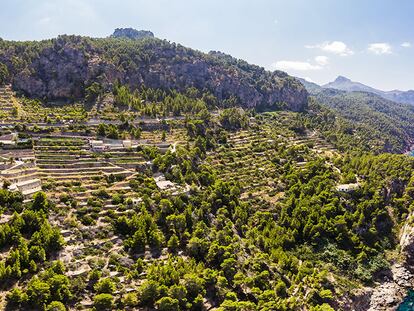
(345, 84)
(64, 67)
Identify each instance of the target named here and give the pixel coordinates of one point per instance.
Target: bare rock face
(407, 242)
(389, 294)
(64, 67)
(53, 71)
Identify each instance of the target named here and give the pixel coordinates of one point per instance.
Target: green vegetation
(156, 102)
(4, 73)
(379, 124)
(254, 220)
(31, 242)
(177, 198)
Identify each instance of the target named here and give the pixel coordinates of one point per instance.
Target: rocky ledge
(389, 295)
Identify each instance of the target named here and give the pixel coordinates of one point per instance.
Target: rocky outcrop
(64, 67)
(389, 294)
(407, 241)
(132, 33)
(62, 72)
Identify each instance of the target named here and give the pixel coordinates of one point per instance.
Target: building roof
(8, 137)
(96, 142)
(347, 187)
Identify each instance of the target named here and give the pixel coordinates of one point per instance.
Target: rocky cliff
(62, 68)
(388, 294)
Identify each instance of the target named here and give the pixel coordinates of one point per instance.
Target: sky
(370, 41)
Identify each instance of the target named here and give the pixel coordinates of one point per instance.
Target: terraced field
(70, 167)
(83, 183)
(252, 157)
(10, 110)
(19, 169)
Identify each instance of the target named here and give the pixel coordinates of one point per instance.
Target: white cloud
(322, 60)
(406, 44)
(287, 65)
(380, 48)
(294, 65)
(334, 47)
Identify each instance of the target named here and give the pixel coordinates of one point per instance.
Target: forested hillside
(378, 123)
(65, 67)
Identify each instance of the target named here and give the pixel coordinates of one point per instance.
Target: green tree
(130, 300)
(16, 297)
(105, 286)
(101, 130)
(281, 289)
(103, 302)
(40, 202)
(149, 292)
(56, 306)
(173, 243)
(60, 287)
(38, 292)
(93, 92)
(4, 73)
(168, 304)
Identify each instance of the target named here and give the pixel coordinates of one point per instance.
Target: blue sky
(366, 40)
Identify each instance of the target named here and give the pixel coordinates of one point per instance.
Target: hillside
(392, 122)
(196, 210)
(63, 68)
(134, 175)
(383, 125)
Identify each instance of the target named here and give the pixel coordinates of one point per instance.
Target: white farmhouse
(347, 187)
(97, 145)
(9, 139)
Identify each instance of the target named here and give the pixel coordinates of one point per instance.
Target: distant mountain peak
(344, 84)
(342, 79)
(132, 33)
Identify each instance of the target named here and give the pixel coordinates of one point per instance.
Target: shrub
(167, 304)
(56, 306)
(103, 301)
(105, 286)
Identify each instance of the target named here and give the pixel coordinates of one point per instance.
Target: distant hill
(345, 84)
(401, 96)
(64, 67)
(311, 87)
